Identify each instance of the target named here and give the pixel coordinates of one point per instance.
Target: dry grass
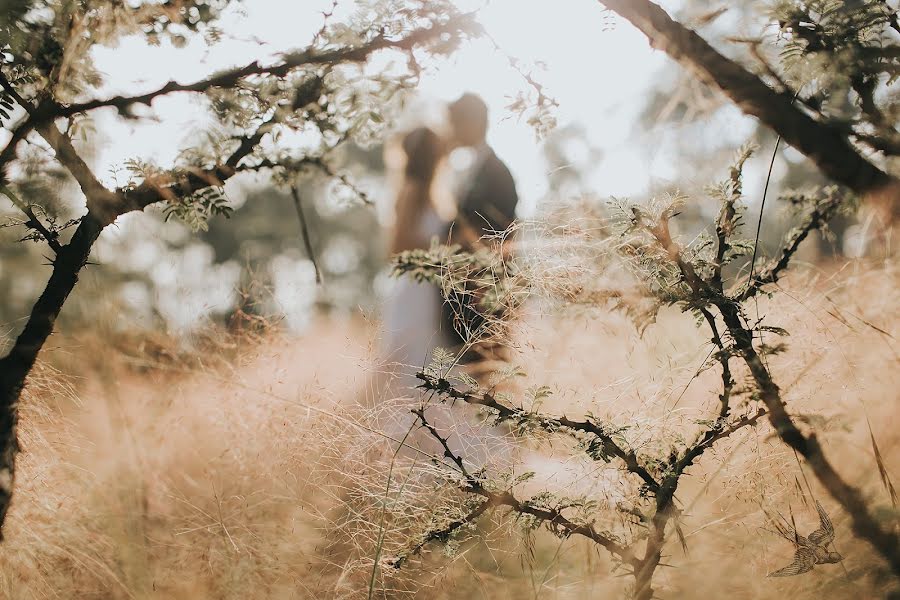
(252, 469)
(841, 368)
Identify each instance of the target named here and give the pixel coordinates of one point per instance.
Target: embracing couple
(416, 318)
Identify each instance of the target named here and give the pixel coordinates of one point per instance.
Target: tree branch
(33, 222)
(304, 232)
(559, 524)
(187, 182)
(442, 534)
(722, 355)
(70, 259)
(102, 202)
(863, 86)
(713, 435)
(48, 110)
(504, 413)
(552, 518)
(20, 131)
(850, 498)
(864, 524)
(291, 61)
(104, 205)
(821, 213)
(824, 145)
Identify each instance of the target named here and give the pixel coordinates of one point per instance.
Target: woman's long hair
(423, 150)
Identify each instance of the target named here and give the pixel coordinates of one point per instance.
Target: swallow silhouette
(810, 550)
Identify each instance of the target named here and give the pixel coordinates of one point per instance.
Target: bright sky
(595, 71)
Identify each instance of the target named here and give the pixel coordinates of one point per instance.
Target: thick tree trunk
(16, 365)
(827, 147)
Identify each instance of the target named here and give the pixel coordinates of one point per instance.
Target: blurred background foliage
(154, 273)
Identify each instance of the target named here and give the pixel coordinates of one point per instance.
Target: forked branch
(550, 517)
(807, 445)
(291, 61)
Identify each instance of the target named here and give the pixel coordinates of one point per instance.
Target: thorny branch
(34, 223)
(819, 216)
(663, 489)
(551, 517)
(807, 445)
(504, 413)
(702, 290)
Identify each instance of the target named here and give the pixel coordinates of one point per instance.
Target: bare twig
(33, 222)
(820, 214)
(304, 232)
(442, 534)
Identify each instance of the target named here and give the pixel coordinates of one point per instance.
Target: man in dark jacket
(487, 198)
(486, 207)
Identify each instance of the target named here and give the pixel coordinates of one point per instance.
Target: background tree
(760, 35)
(48, 89)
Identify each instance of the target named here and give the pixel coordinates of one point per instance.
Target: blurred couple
(416, 318)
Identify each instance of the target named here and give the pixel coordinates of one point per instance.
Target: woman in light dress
(412, 310)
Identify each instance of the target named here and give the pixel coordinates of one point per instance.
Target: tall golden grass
(256, 467)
